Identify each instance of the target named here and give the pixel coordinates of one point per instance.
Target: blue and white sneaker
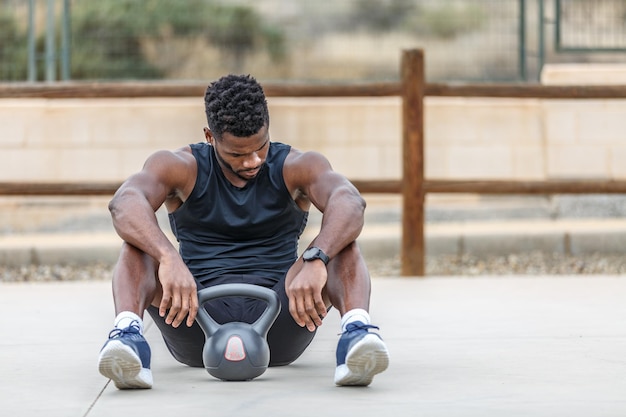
(125, 358)
(360, 355)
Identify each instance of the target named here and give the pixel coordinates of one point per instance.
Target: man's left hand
(306, 303)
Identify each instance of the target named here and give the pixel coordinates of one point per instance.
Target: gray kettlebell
(237, 351)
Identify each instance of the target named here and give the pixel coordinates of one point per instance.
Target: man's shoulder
(171, 155)
(303, 167)
(297, 161)
(300, 158)
(178, 156)
(173, 167)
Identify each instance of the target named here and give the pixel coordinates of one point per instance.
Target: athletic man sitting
(237, 205)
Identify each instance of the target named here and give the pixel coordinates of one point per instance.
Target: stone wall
(108, 139)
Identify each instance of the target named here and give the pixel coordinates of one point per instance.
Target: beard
(239, 173)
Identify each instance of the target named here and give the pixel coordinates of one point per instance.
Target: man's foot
(360, 355)
(125, 358)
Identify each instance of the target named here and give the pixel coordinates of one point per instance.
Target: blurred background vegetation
(305, 40)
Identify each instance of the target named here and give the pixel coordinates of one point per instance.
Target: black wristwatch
(314, 253)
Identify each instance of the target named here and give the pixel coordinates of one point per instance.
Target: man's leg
(287, 340)
(361, 354)
(125, 357)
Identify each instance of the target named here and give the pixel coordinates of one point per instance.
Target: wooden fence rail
(412, 88)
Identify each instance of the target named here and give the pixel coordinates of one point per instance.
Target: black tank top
(223, 229)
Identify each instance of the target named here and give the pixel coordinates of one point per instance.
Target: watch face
(315, 253)
(310, 253)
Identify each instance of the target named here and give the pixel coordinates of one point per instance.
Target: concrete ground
(497, 346)
(460, 346)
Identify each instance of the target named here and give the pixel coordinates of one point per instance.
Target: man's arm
(164, 178)
(342, 207)
(342, 210)
(310, 174)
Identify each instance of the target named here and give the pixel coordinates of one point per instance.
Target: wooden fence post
(413, 86)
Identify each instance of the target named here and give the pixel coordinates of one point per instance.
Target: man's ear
(208, 135)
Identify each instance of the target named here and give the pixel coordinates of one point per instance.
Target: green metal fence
(299, 40)
(590, 26)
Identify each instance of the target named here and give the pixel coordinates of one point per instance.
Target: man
(237, 205)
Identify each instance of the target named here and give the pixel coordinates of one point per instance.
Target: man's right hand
(180, 293)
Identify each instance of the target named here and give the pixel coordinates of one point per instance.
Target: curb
(379, 241)
(481, 239)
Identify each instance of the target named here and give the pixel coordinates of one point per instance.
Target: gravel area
(519, 264)
(536, 263)
(44, 273)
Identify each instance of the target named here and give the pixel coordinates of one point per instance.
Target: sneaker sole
(121, 364)
(367, 358)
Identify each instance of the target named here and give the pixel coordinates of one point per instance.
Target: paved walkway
(459, 226)
(497, 346)
(378, 241)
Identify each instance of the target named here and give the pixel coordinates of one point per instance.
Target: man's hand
(306, 303)
(180, 293)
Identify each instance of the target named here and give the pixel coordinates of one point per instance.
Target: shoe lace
(351, 327)
(133, 328)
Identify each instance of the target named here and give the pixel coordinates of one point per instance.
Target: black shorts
(286, 339)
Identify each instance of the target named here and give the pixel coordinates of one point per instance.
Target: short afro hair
(236, 104)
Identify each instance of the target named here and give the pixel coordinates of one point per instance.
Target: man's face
(240, 158)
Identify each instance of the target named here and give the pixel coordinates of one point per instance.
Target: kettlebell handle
(261, 325)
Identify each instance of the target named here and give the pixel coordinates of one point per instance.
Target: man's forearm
(135, 222)
(342, 222)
